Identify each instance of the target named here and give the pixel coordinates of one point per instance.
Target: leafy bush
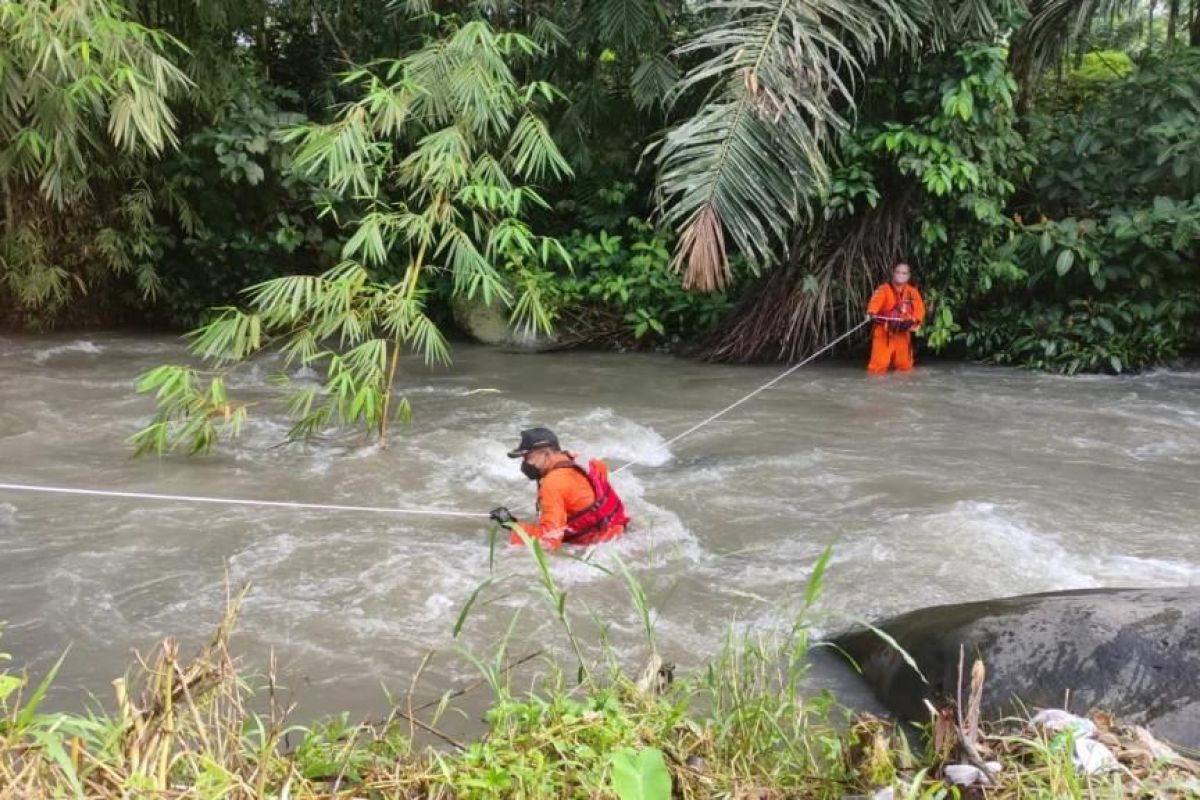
(250, 217)
(628, 277)
(438, 162)
(1086, 336)
(1105, 240)
(85, 104)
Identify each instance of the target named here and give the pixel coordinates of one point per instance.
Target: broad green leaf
(640, 775)
(1066, 258)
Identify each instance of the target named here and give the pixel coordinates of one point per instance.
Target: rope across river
(230, 501)
(756, 392)
(413, 512)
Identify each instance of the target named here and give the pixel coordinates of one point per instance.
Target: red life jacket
(605, 512)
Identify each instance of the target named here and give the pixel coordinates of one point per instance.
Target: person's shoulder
(566, 474)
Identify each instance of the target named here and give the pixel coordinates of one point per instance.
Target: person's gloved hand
(502, 516)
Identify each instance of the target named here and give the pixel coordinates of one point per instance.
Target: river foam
(953, 484)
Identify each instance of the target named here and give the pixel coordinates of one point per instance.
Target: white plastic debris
(1153, 746)
(886, 793)
(1055, 720)
(962, 774)
(969, 774)
(1092, 758)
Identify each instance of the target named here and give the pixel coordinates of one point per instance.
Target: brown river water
(954, 483)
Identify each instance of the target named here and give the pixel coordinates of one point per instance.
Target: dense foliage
(436, 154)
(1037, 161)
(1106, 232)
(85, 104)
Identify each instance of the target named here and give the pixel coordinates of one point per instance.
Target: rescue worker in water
(575, 506)
(898, 310)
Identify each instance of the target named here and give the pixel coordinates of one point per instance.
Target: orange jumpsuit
(890, 347)
(562, 493)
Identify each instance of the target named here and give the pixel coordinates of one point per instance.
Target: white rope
(415, 512)
(229, 501)
(756, 392)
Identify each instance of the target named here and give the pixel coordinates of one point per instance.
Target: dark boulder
(1134, 652)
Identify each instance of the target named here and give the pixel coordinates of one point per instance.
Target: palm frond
(1054, 26)
(779, 78)
(623, 23)
(730, 170)
(653, 81)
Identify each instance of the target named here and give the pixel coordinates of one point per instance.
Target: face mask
(530, 471)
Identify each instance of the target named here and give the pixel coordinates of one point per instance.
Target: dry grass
(186, 729)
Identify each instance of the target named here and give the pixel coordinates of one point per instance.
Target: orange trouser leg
(881, 351)
(902, 351)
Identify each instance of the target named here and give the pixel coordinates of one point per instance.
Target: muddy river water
(955, 483)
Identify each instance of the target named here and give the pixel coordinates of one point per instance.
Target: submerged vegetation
(737, 727)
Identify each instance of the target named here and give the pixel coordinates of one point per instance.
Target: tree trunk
(1195, 37)
(1172, 22)
(10, 216)
(1150, 27)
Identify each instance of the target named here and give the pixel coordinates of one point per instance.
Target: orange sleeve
(552, 524)
(878, 300)
(918, 309)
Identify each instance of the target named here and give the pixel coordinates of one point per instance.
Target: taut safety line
(415, 512)
(757, 391)
(228, 501)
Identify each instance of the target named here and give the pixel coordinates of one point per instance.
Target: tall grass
(737, 728)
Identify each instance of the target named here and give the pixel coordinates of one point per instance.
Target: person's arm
(552, 524)
(918, 309)
(875, 305)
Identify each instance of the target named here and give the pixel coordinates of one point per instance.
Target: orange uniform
(565, 494)
(890, 346)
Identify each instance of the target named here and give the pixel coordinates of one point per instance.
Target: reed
(736, 728)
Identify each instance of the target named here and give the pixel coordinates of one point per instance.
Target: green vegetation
(85, 103)
(730, 178)
(1105, 237)
(434, 155)
(621, 289)
(736, 727)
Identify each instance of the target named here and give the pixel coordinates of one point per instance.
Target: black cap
(532, 439)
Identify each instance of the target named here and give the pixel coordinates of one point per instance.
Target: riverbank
(189, 728)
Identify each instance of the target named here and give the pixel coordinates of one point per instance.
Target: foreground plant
(438, 163)
(737, 727)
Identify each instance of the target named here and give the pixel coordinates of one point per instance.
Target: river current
(954, 483)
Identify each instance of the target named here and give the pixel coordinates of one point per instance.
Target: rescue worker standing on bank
(575, 506)
(898, 310)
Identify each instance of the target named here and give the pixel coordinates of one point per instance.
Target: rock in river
(1134, 652)
(488, 323)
